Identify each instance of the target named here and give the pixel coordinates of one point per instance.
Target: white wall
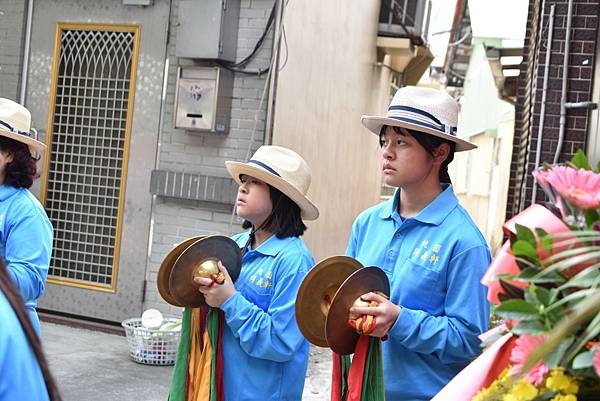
(329, 81)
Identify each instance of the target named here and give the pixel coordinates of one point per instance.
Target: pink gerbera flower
(597, 360)
(578, 186)
(524, 347)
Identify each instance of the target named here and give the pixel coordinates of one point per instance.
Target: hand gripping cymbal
(200, 259)
(342, 338)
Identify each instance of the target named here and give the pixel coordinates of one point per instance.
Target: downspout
(26, 48)
(540, 134)
(270, 117)
(563, 95)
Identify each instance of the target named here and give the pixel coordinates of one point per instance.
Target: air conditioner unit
(404, 18)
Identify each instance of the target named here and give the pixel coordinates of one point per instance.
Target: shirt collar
(271, 247)
(434, 213)
(6, 191)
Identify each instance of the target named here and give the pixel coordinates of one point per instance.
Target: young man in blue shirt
(427, 244)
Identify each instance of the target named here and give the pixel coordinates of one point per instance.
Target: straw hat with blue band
(15, 123)
(426, 110)
(283, 169)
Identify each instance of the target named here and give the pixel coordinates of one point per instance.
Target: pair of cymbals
(326, 295)
(196, 256)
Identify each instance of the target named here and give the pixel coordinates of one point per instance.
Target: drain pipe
(26, 48)
(538, 148)
(563, 95)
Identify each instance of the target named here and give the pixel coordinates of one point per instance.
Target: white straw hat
(15, 123)
(283, 169)
(426, 110)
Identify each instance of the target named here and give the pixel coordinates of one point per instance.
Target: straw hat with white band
(426, 110)
(283, 169)
(15, 123)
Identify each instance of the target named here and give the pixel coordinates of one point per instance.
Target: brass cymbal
(342, 338)
(195, 260)
(316, 293)
(164, 272)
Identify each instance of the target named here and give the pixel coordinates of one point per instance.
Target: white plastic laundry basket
(151, 347)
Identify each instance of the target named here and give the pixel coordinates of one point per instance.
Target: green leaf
(524, 249)
(525, 234)
(555, 315)
(530, 327)
(528, 272)
(591, 216)
(552, 278)
(583, 360)
(575, 296)
(543, 295)
(554, 358)
(517, 309)
(545, 239)
(575, 257)
(580, 160)
(598, 167)
(583, 278)
(524, 263)
(590, 332)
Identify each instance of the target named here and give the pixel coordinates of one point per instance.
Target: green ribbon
(178, 388)
(372, 386)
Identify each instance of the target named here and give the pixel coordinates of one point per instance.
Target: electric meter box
(203, 99)
(207, 29)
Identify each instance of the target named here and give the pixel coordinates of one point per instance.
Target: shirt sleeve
(27, 252)
(453, 336)
(272, 334)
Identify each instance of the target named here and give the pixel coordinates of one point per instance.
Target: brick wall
(206, 153)
(12, 31)
(579, 88)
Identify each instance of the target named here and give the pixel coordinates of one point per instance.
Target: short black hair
(286, 218)
(430, 143)
(22, 170)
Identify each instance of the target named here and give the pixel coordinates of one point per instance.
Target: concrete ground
(95, 366)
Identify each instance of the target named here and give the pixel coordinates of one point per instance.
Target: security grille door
(90, 137)
(97, 269)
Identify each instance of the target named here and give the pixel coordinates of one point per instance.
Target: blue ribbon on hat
(263, 165)
(16, 131)
(420, 117)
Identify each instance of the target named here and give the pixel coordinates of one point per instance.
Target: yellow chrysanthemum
(568, 397)
(558, 381)
(522, 391)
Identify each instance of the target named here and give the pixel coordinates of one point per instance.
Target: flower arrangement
(545, 283)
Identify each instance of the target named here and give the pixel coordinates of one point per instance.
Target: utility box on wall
(208, 29)
(203, 98)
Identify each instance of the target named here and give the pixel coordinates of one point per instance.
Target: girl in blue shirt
(264, 354)
(25, 230)
(427, 244)
(24, 372)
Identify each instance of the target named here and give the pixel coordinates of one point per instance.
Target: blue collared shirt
(25, 244)
(265, 355)
(434, 261)
(20, 374)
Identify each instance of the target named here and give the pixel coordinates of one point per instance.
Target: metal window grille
(92, 99)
